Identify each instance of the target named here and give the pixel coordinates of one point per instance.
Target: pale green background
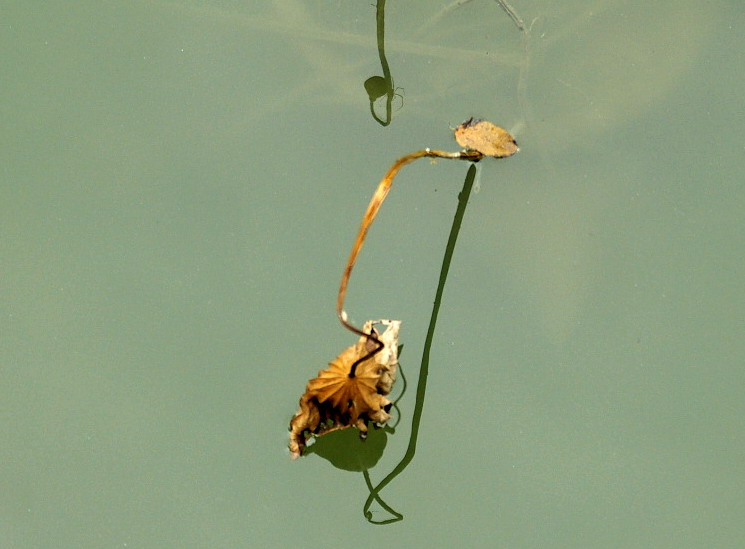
(180, 183)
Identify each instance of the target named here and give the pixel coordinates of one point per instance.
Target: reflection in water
(421, 386)
(467, 48)
(327, 66)
(379, 86)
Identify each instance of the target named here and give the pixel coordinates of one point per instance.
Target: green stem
(424, 368)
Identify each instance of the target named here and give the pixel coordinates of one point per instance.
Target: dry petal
(486, 138)
(333, 400)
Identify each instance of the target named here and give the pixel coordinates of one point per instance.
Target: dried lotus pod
(486, 138)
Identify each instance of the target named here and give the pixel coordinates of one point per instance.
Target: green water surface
(180, 183)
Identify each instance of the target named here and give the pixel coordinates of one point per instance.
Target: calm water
(180, 183)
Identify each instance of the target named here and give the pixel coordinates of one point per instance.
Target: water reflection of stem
(390, 91)
(424, 368)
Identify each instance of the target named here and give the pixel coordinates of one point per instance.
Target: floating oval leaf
(486, 138)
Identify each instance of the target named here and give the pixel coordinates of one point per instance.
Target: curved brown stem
(372, 210)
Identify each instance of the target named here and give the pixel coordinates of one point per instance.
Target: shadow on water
(421, 387)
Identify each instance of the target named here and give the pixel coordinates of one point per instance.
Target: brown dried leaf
(486, 138)
(333, 400)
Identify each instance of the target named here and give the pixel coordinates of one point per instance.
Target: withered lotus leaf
(333, 400)
(486, 138)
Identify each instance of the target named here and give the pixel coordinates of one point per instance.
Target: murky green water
(179, 187)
